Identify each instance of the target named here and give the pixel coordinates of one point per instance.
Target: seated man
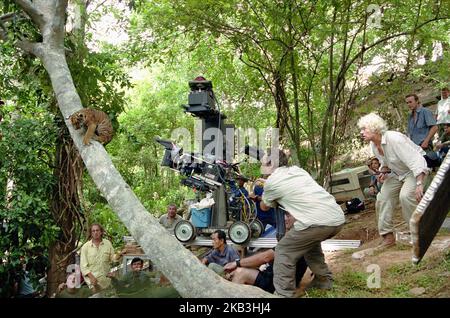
(444, 141)
(139, 283)
(23, 286)
(246, 271)
(133, 278)
(266, 217)
(170, 220)
(221, 253)
(374, 186)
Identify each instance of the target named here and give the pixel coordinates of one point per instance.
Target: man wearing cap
(239, 189)
(317, 218)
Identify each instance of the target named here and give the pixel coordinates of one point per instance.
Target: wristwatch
(238, 262)
(418, 183)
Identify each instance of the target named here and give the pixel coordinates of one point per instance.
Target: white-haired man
(407, 167)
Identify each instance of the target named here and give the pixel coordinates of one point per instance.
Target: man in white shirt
(317, 217)
(443, 108)
(405, 182)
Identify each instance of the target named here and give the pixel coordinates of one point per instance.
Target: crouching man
(317, 218)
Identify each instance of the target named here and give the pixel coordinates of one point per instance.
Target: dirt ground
(362, 226)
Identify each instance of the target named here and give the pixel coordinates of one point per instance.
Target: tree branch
(3, 29)
(8, 16)
(97, 6)
(364, 49)
(58, 22)
(30, 47)
(34, 13)
(260, 20)
(255, 66)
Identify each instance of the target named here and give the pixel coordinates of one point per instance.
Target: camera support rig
(208, 172)
(202, 104)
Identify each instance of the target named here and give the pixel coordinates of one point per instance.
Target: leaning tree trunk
(181, 267)
(68, 171)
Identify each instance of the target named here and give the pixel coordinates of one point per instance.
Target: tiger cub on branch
(96, 122)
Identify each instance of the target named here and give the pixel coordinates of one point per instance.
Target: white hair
(373, 122)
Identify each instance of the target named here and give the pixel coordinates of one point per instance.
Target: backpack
(433, 160)
(354, 205)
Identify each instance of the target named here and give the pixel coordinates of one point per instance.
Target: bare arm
(419, 186)
(253, 261)
(92, 278)
(263, 206)
(430, 135)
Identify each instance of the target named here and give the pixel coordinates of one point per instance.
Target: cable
(219, 119)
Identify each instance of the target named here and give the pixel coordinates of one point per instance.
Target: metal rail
(263, 242)
(270, 242)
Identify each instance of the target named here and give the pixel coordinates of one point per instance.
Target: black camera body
(197, 172)
(201, 99)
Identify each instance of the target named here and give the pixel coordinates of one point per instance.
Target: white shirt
(401, 155)
(297, 192)
(443, 107)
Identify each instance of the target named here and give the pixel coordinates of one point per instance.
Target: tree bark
(66, 208)
(68, 172)
(189, 277)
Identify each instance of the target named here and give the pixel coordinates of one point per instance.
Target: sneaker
(321, 282)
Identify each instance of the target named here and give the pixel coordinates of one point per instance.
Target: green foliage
(271, 63)
(114, 228)
(26, 181)
(100, 80)
(27, 148)
(401, 290)
(306, 65)
(154, 110)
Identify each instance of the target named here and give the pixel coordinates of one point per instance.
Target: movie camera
(206, 173)
(202, 174)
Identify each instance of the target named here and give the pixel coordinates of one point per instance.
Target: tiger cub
(97, 124)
